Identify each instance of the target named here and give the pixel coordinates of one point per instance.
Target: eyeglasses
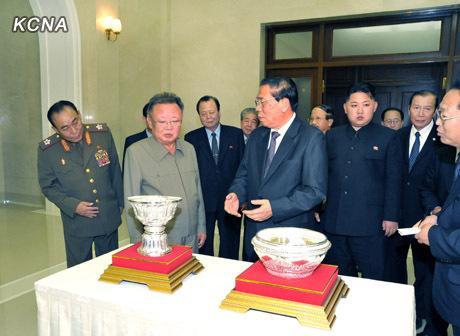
(163, 123)
(444, 118)
(392, 121)
(259, 101)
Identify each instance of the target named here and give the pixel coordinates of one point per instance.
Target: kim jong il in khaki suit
(166, 165)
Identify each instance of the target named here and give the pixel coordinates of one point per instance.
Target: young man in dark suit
(364, 184)
(283, 175)
(219, 150)
(441, 232)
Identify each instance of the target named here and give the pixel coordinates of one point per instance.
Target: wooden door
(306, 82)
(394, 85)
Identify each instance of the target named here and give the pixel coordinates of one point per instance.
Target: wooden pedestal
(321, 316)
(162, 282)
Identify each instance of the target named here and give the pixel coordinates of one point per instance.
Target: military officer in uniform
(78, 170)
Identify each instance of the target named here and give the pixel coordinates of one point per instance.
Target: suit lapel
(204, 144)
(454, 192)
(428, 146)
(223, 144)
(261, 152)
(284, 148)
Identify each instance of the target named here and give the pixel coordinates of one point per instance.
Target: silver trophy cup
(154, 211)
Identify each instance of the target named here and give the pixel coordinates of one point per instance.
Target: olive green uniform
(89, 171)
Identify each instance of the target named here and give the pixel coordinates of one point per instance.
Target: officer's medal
(102, 157)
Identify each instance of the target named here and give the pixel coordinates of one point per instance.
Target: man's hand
(436, 210)
(201, 239)
(261, 213)
(232, 204)
(86, 209)
(425, 225)
(389, 227)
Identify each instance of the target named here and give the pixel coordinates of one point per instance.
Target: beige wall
(20, 112)
(216, 45)
(192, 48)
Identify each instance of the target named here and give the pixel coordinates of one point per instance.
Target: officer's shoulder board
(99, 127)
(49, 141)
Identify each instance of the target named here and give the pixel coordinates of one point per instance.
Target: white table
(74, 302)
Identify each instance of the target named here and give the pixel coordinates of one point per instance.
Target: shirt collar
(351, 132)
(217, 131)
(283, 129)
(161, 152)
(424, 131)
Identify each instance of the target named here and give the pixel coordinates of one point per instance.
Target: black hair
(283, 87)
(382, 116)
(58, 108)
(424, 93)
(165, 98)
(326, 108)
(206, 99)
(361, 87)
(145, 110)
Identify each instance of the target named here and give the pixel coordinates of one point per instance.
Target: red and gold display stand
(164, 274)
(311, 300)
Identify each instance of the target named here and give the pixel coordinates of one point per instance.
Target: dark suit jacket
(445, 247)
(412, 209)
(364, 182)
(295, 182)
(130, 140)
(215, 180)
(438, 178)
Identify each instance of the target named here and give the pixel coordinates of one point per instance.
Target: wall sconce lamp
(112, 28)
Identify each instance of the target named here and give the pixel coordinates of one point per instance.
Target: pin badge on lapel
(230, 147)
(102, 157)
(376, 148)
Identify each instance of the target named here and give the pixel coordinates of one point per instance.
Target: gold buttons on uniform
(87, 170)
(91, 180)
(97, 200)
(94, 191)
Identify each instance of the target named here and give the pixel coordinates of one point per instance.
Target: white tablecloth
(74, 302)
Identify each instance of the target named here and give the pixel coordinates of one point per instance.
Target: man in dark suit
(78, 170)
(219, 150)
(442, 232)
(147, 133)
(283, 175)
(364, 183)
(419, 143)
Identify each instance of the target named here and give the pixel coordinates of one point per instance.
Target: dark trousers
(248, 253)
(423, 261)
(365, 254)
(79, 249)
(229, 233)
(456, 330)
